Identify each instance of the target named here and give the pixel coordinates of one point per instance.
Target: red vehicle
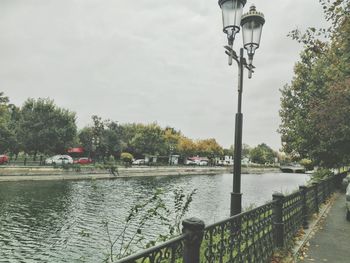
(83, 160)
(4, 159)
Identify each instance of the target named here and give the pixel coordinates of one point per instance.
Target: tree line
(315, 106)
(39, 126)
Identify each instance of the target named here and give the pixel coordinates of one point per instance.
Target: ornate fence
(244, 238)
(252, 236)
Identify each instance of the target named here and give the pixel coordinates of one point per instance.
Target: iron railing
(249, 237)
(292, 215)
(169, 252)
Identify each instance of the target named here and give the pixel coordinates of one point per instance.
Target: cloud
(149, 61)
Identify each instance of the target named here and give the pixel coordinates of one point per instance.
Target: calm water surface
(61, 221)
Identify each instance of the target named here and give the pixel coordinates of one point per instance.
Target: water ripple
(63, 221)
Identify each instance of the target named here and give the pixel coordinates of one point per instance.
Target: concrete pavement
(331, 242)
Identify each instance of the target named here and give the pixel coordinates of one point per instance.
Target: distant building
(226, 160)
(174, 159)
(150, 158)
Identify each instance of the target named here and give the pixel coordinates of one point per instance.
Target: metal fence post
(194, 227)
(326, 190)
(324, 195)
(338, 180)
(317, 207)
(305, 209)
(278, 220)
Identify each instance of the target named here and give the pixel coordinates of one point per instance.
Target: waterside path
(331, 241)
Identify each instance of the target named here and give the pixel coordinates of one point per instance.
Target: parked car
(4, 159)
(203, 163)
(139, 161)
(83, 160)
(189, 162)
(345, 182)
(59, 159)
(348, 203)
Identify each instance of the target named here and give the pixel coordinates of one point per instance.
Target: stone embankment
(9, 173)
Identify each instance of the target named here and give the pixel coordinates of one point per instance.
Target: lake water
(62, 221)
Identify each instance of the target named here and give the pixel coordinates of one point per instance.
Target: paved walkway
(331, 242)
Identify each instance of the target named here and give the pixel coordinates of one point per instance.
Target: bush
(126, 158)
(99, 166)
(307, 163)
(321, 174)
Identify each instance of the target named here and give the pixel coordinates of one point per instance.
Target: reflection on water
(61, 221)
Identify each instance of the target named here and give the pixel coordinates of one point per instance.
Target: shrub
(126, 158)
(321, 174)
(307, 163)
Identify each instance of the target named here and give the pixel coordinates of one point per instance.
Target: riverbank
(49, 173)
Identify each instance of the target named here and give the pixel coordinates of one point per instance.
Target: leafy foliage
(131, 236)
(41, 127)
(321, 174)
(307, 163)
(262, 154)
(313, 107)
(126, 158)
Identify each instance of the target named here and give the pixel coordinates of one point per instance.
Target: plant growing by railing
(132, 236)
(182, 203)
(321, 174)
(138, 216)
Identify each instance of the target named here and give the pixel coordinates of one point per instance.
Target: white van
(59, 159)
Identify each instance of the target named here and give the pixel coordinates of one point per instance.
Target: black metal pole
(236, 195)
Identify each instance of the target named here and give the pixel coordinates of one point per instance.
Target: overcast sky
(150, 60)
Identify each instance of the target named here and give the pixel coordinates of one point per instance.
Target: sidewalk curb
(312, 226)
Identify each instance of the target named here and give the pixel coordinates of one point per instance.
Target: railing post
(303, 189)
(278, 220)
(317, 206)
(333, 183)
(324, 195)
(194, 228)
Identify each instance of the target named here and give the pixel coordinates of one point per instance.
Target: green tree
(3, 99)
(331, 121)
(126, 158)
(14, 142)
(9, 117)
(112, 137)
(102, 139)
(85, 136)
(209, 148)
(229, 151)
(171, 140)
(46, 128)
(246, 151)
(5, 133)
(148, 139)
(314, 125)
(186, 147)
(262, 154)
(99, 146)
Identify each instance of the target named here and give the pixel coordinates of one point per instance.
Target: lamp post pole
(236, 195)
(251, 24)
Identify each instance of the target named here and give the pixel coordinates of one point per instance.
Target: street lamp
(251, 24)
